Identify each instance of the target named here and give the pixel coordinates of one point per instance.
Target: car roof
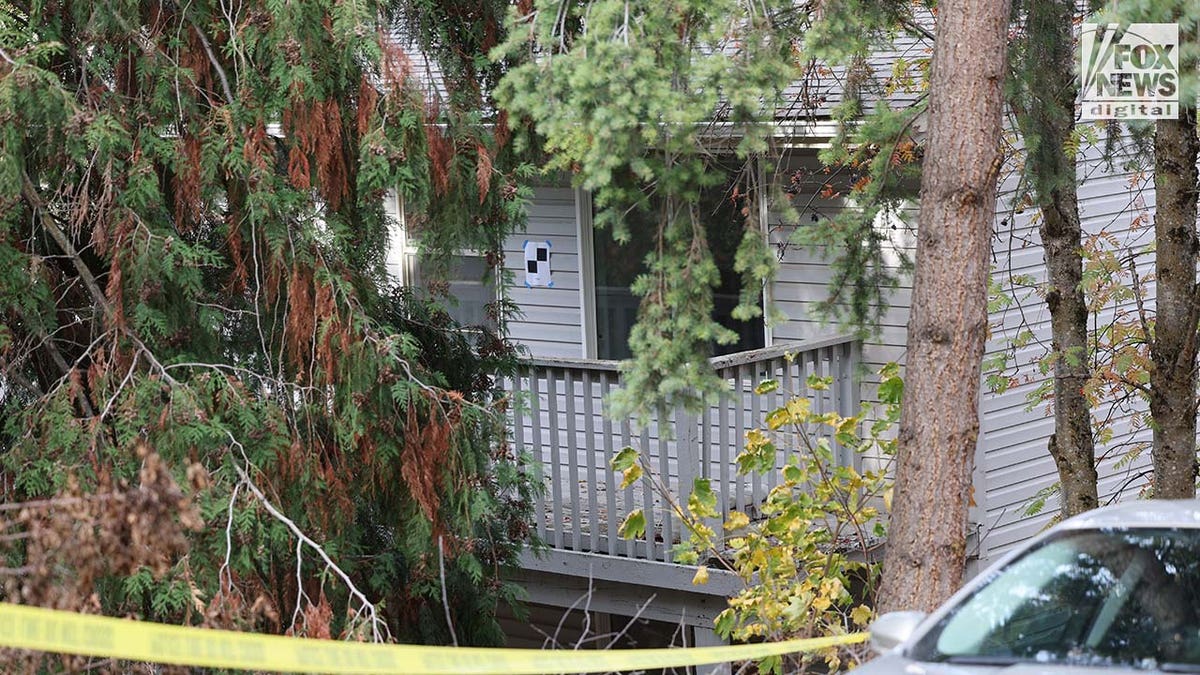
(1183, 513)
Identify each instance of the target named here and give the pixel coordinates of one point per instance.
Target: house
(572, 287)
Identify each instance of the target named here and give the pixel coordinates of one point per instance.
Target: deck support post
(707, 637)
(846, 380)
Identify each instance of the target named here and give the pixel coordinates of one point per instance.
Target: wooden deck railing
(560, 419)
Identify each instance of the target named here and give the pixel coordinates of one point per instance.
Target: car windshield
(1124, 597)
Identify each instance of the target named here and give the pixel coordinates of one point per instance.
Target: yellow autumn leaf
(798, 408)
(861, 615)
(737, 520)
(701, 577)
(632, 474)
(832, 587)
(755, 439)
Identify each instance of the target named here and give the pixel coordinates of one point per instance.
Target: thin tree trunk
(940, 420)
(1046, 115)
(1173, 349)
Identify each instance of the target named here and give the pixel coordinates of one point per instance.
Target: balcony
(560, 420)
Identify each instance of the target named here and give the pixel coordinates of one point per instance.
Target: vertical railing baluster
(572, 455)
(539, 451)
(740, 426)
(772, 401)
(674, 486)
(756, 421)
(819, 371)
(725, 455)
(706, 454)
(848, 403)
(648, 494)
(589, 449)
(804, 369)
(630, 500)
(555, 457)
(789, 390)
(610, 477)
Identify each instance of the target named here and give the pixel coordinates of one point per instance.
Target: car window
(1103, 597)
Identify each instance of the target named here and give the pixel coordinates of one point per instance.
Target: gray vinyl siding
(549, 324)
(1012, 464)
(1016, 464)
(802, 280)
(819, 94)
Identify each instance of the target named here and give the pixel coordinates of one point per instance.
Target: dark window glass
(617, 265)
(1090, 598)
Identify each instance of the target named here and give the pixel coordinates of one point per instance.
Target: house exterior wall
(550, 321)
(1012, 465)
(802, 281)
(1016, 464)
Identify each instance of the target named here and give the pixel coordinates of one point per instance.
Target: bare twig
(376, 622)
(445, 599)
(225, 572)
(212, 58)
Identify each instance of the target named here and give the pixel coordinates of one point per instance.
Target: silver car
(1110, 591)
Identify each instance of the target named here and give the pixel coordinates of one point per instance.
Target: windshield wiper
(982, 660)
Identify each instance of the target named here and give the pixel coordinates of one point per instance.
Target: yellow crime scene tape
(61, 632)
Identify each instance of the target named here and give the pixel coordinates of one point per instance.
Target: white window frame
(585, 235)
(403, 252)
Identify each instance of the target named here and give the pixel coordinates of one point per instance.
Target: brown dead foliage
(315, 128)
(187, 183)
(330, 153)
(316, 620)
(239, 277)
(315, 333)
(502, 133)
(300, 318)
(396, 65)
(441, 154)
(256, 149)
(425, 453)
(75, 538)
(194, 58)
(114, 290)
(483, 171)
(330, 343)
(368, 98)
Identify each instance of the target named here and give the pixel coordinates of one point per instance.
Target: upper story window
(617, 265)
(467, 290)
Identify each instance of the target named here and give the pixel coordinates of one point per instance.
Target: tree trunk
(1173, 349)
(940, 420)
(1046, 115)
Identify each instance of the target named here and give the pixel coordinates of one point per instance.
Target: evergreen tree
(192, 240)
(939, 421)
(1042, 94)
(647, 103)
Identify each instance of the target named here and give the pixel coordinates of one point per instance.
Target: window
(468, 290)
(469, 287)
(617, 265)
(1085, 598)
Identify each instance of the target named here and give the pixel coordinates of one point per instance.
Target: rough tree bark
(1045, 105)
(940, 422)
(1173, 348)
